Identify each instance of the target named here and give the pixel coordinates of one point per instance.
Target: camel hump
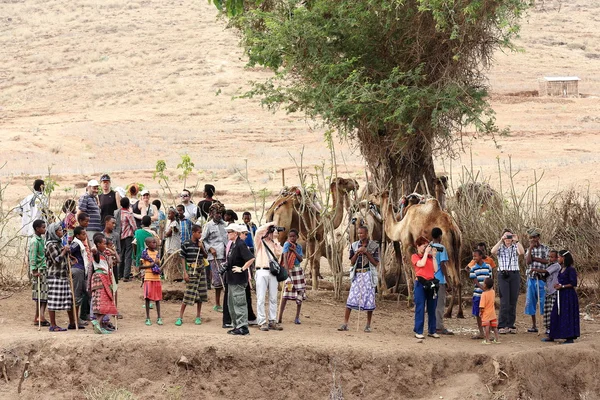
(433, 205)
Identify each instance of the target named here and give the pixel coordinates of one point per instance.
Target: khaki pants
(238, 309)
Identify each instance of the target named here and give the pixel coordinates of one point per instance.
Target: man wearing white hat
(89, 204)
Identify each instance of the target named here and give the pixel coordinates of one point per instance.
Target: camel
(440, 188)
(290, 210)
(419, 220)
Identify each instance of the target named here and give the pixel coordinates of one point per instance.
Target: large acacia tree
(404, 78)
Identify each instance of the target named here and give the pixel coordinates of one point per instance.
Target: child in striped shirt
(479, 272)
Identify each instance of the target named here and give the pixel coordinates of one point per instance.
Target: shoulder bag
(274, 267)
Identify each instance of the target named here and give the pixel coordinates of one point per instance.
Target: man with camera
(537, 260)
(508, 249)
(266, 248)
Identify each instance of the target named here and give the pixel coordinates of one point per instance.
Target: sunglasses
(185, 195)
(146, 195)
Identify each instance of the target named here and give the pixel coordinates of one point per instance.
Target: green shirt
(140, 237)
(37, 255)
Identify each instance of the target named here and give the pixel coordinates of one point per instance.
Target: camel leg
(408, 273)
(460, 307)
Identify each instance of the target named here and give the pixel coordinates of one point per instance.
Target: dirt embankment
(282, 370)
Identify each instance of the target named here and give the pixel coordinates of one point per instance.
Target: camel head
(344, 185)
(378, 199)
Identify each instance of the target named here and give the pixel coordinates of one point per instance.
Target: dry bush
(567, 220)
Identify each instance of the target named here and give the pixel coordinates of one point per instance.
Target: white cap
(243, 228)
(144, 192)
(232, 227)
(93, 182)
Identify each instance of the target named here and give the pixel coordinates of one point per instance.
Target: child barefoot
(150, 264)
(487, 311)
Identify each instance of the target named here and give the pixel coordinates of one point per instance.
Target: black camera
(274, 228)
(437, 246)
(509, 236)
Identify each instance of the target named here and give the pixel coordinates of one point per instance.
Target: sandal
(108, 325)
(532, 330)
(72, 326)
(343, 327)
(178, 322)
(296, 321)
(367, 329)
(198, 321)
(43, 323)
(57, 328)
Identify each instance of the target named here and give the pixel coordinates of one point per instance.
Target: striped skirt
(42, 295)
(195, 289)
(548, 305)
(59, 294)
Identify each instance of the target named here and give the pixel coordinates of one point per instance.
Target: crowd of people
(104, 238)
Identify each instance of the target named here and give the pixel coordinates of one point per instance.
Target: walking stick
(39, 295)
(74, 307)
(540, 304)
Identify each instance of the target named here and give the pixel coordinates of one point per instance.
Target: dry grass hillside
(94, 86)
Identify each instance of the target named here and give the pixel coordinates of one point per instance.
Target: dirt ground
(88, 87)
(302, 361)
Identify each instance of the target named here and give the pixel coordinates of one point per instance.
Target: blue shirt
(481, 272)
(249, 241)
(185, 225)
(439, 257)
(286, 249)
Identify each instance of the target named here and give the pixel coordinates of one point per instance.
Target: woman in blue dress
(564, 320)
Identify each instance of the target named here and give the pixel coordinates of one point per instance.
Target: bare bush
(567, 219)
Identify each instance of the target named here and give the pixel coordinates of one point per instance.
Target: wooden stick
(39, 295)
(541, 312)
(74, 307)
(3, 363)
(24, 375)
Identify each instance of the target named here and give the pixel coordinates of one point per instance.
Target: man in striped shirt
(127, 228)
(479, 272)
(88, 203)
(508, 249)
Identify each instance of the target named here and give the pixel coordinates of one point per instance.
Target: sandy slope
(93, 86)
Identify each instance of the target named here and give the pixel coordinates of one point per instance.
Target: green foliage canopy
(401, 76)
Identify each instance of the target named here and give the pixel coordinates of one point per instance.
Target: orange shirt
(148, 274)
(488, 260)
(427, 271)
(487, 303)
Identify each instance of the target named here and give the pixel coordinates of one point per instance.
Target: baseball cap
(105, 177)
(92, 183)
(144, 192)
(243, 228)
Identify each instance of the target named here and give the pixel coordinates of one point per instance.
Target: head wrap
(217, 206)
(51, 235)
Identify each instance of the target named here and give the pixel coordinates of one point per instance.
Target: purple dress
(564, 320)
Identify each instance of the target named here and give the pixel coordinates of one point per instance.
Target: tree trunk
(398, 161)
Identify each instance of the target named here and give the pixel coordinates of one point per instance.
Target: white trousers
(265, 283)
